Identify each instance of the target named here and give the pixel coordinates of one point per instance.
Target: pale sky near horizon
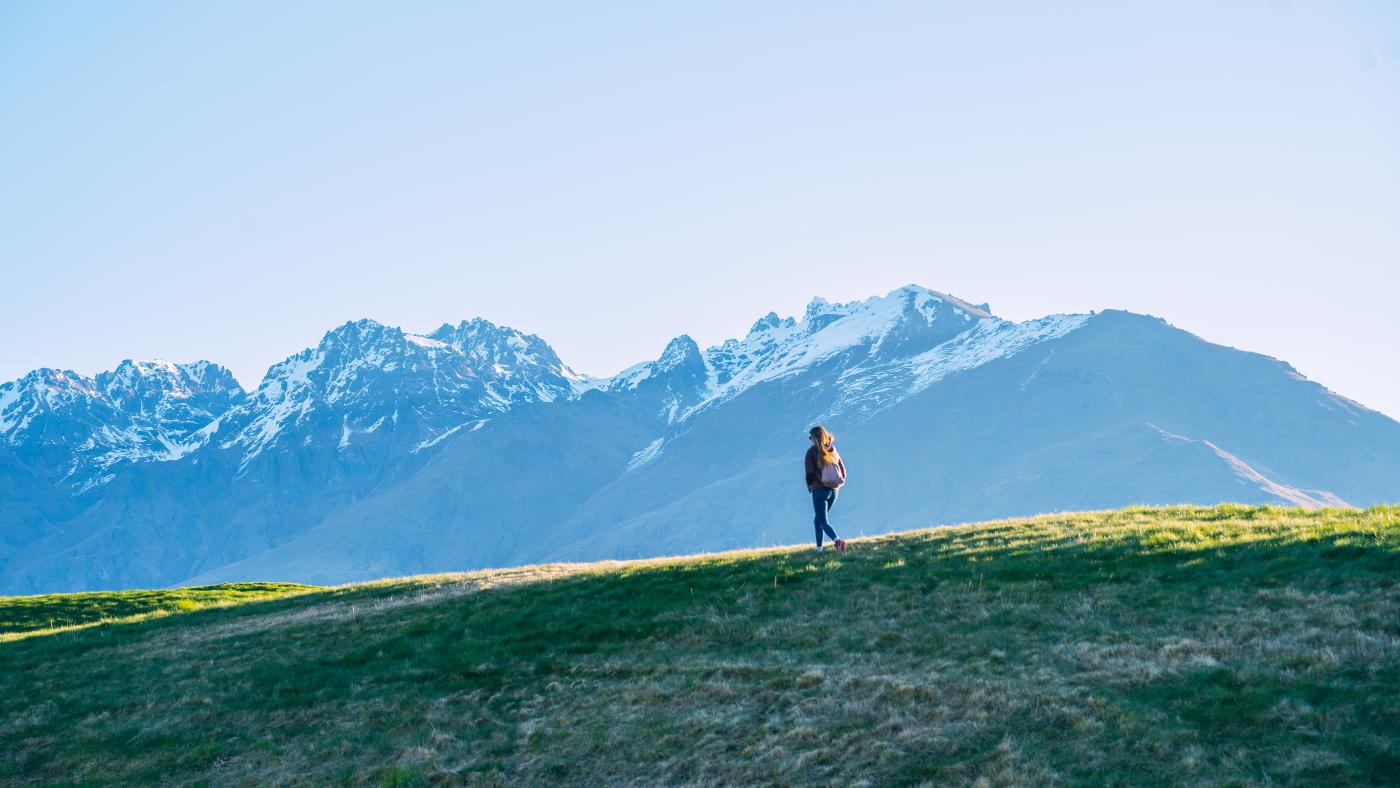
(229, 181)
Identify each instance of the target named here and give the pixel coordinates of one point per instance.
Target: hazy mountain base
(1146, 646)
(383, 453)
(1117, 412)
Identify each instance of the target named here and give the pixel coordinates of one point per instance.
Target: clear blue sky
(229, 180)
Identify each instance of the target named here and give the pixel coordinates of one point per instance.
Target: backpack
(831, 474)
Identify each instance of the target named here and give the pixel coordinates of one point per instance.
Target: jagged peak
(358, 330)
(769, 322)
(898, 323)
(468, 327)
(201, 371)
(479, 327)
(472, 327)
(43, 390)
(499, 348)
(147, 366)
(41, 375)
(45, 378)
(155, 376)
(917, 291)
(915, 295)
(819, 306)
(679, 351)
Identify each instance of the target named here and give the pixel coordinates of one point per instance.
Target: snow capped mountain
(876, 331)
(676, 381)
(515, 367)
(170, 402)
(889, 347)
(380, 451)
(141, 411)
(25, 402)
(366, 379)
(362, 378)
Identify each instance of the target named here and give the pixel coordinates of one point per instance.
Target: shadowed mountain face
(380, 452)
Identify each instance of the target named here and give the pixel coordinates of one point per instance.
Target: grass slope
(1233, 645)
(49, 613)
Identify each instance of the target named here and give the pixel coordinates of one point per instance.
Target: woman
(825, 474)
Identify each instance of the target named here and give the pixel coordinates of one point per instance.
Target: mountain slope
(490, 499)
(380, 451)
(326, 426)
(1026, 432)
(76, 429)
(694, 419)
(1158, 646)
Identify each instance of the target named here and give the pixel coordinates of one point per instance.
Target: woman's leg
(822, 499)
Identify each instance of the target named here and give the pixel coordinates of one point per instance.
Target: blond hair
(826, 445)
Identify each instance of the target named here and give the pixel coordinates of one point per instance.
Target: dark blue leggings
(823, 498)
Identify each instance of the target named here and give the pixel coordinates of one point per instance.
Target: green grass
(33, 614)
(1230, 645)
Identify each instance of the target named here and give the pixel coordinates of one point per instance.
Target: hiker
(825, 475)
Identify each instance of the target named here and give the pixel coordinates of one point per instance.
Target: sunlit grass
(1226, 645)
(24, 616)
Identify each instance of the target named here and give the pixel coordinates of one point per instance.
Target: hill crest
(1179, 643)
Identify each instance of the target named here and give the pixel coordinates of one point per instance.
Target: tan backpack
(831, 474)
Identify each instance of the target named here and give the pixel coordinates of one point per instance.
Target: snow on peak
(911, 318)
(152, 379)
(422, 341)
(924, 295)
(363, 369)
(819, 306)
(359, 334)
(148, 366)
(364, 377)
(361, 366)
(517, 366)
(898, 333)
(768, 322)
(480, 338)
(679, 351)
(915, 297)
(42, 392)
(867, 390)
(140, 411)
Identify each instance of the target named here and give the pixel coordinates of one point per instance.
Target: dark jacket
(814, 474)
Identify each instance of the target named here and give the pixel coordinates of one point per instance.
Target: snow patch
(422, 341)
(984, 342)
(9, 398)
(1318, 500)
(435, 440)
(284, 394)
(646, 455)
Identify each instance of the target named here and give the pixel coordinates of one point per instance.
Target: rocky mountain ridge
(380, 451)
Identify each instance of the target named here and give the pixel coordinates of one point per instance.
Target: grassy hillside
(1181, 645)
(56, 612)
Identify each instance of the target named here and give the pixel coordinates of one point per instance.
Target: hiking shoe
(820, 548)
(841, 545)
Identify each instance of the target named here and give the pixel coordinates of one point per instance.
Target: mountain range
(381, 452)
